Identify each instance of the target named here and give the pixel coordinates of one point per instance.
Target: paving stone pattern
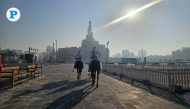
(59, 88)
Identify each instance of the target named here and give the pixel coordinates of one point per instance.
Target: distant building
(3, 51)
(64, 54)
(177, 54)
(142, 53)
(130, 60)
(89, 42)
(49, 52)
(118, 55)
(131, 55)
(14, 54)
(136, 56)
(125, 53)
(113, 59)
(4, 54)
(183, 54)
(159, 58)
(41, 57)
(17, 51)
(8, 49)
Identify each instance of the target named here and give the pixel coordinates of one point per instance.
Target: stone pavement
(58, 88)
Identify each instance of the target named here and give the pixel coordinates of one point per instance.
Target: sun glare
(132, 13)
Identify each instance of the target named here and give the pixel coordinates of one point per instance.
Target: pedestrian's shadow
(58, 86)
(71, 99)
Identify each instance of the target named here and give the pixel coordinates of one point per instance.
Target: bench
(14, 74)
(34, 70)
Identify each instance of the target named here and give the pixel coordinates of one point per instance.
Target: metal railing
(172, 79)
(168, 66)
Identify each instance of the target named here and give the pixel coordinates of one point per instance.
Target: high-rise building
(142, 54)
(183, 54)
(125, 53)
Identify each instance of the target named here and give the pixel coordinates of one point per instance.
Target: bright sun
(132, 13)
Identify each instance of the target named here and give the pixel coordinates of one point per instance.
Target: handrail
(163, 78)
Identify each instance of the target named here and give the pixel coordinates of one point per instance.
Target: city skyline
(159, 29)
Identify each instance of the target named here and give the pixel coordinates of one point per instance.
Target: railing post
(132, 80)
(169, 81)
(121, 73)
(131, 73)
(114, 68)
(146, 74)
(106, 67)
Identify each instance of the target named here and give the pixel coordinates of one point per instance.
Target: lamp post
(46, 57)
(29, 49)
(53, 53)
(56, 52)
(142, 56)
(107, 52)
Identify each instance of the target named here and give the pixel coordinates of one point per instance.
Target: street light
(56, 51)
(107, 52)
(142, 56)
(46, 57)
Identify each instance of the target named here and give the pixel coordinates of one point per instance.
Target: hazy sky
(158, 29)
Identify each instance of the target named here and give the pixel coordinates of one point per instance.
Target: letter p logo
(13, 14)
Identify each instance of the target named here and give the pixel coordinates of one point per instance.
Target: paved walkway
(58, 88)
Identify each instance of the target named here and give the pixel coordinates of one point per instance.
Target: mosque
(64, 54)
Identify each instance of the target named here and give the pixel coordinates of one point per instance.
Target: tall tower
(89, 28)
(89, 31)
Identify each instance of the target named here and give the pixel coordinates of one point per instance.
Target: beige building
(64, 54)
